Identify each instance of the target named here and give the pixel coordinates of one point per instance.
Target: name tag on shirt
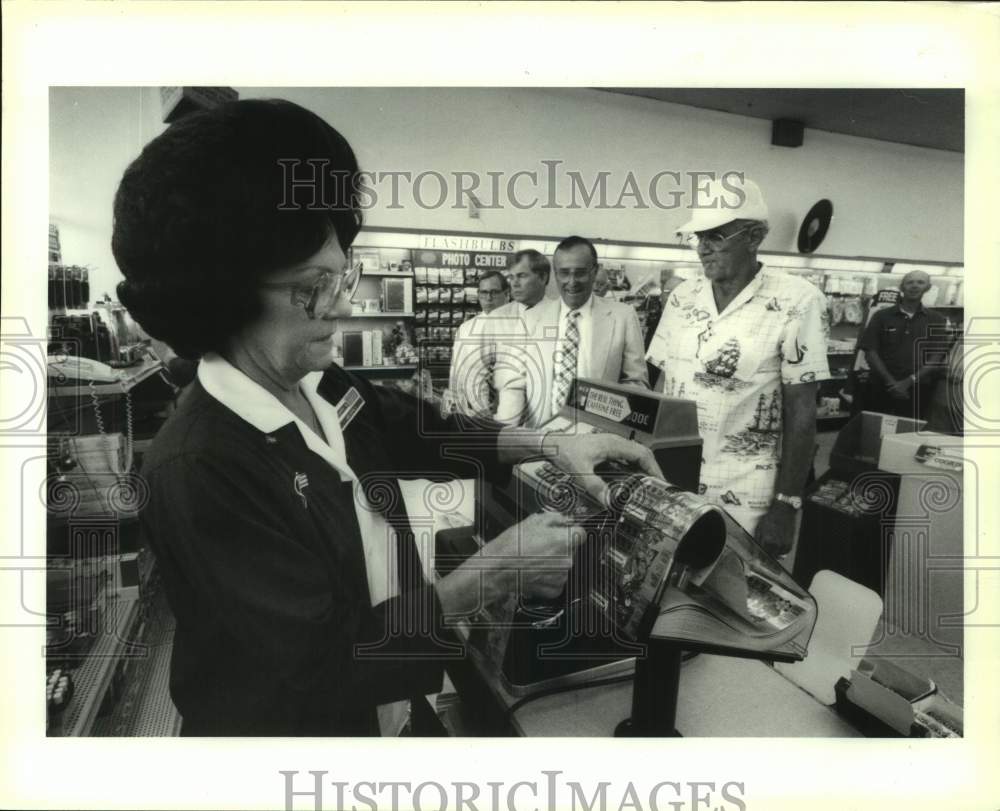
(348, 407)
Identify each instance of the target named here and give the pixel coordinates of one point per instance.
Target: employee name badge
(348, 407)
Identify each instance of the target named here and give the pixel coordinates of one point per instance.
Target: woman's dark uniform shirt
(260, 551)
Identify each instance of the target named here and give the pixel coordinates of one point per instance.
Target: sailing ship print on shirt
(720, 369)
(761, 436)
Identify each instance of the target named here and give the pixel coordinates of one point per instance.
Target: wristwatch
(792, 501)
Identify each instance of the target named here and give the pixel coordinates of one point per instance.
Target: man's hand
(900, 389)
(578, 455)
(776, 529)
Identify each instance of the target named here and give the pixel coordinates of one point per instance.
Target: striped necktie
(565, 361)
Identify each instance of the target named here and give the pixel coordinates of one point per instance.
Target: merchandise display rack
(95, 674)
(103, 407)
(645, 267)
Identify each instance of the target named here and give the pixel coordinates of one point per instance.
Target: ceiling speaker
(786, 132)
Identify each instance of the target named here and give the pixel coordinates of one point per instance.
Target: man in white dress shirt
(471, 374)
(576, 335)
(528, 276)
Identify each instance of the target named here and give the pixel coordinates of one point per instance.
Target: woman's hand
(579, 454)
(530, 558)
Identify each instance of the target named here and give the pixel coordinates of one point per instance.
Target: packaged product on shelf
(421, 295)
(432, 295)
(818, 279)
(853, 310)
(836, 309)
(420, 275)
(471, 295)
(368, 260)
(433, 275)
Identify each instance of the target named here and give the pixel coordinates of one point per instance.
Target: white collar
(584, 309)
(245, 397)
(252, 402)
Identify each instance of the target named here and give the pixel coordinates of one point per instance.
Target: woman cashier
(274, 507)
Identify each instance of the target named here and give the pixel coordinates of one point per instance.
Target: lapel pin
(301, 482)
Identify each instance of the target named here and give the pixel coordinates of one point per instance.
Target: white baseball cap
(718, 202)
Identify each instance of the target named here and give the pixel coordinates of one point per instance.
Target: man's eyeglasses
(490, 293)
(712, 240)
(321, 297)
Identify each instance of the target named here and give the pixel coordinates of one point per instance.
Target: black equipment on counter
(660, 568)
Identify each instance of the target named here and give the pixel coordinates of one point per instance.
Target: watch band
(795, 502)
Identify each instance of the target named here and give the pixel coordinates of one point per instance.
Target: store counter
(718, 696)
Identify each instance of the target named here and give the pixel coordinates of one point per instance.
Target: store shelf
(382, 315)
(128, 379)
(145, 708)
(386, 274)
(94, 675)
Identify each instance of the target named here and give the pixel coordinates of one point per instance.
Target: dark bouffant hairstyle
(218, 201)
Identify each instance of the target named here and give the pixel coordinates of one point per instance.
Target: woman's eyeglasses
(321, 297)
(713, 240)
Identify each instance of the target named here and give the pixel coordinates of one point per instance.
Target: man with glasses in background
(577, 335)
(471, 377)
(748, 345)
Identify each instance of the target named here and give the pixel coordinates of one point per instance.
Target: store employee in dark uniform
(904, 349)
(274, 507)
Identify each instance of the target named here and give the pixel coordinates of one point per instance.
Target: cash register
(661, 568)
(542, 646)
(668, 426)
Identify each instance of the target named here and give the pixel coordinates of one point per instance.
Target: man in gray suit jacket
(577, 335)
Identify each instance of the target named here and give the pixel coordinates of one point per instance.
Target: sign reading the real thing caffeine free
(632, 409)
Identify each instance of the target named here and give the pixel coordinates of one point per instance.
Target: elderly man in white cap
(748, 345)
